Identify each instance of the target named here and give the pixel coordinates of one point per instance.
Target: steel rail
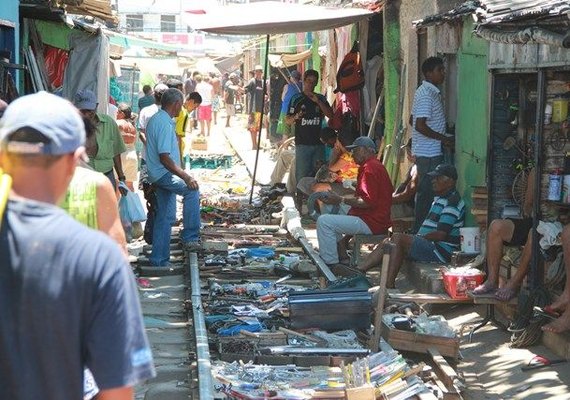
(205, 383)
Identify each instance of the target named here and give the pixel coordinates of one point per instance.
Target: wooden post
(375, 340)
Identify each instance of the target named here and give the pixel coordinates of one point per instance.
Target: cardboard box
(199, 145)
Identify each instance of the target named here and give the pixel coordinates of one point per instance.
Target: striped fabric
(428, 104)
(447, 214)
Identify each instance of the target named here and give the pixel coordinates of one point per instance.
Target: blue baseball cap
(85, 99)
(54, 117)
(362, 141)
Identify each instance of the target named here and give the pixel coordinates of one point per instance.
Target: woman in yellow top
(91, 199)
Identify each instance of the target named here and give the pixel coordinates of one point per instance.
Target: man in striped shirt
(428, 134)
(438, 236)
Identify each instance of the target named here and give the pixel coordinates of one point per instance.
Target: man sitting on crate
(367, 212)
(437, 238)
(509, 232)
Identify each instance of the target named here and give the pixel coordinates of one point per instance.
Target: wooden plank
(489, 298)
(420, 343)
(443, 370)
(375, 340)
(301, 335)
(426, 298)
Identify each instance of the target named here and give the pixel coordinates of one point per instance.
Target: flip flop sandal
(551, 311)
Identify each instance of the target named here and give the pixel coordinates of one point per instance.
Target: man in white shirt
(428, 134)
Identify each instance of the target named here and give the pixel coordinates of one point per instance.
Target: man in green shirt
(106, 148)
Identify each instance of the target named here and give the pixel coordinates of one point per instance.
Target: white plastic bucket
(470, 240)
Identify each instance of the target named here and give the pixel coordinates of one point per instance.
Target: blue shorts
(423, 250)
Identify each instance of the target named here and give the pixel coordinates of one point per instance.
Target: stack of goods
(383, 374)
(479, 208)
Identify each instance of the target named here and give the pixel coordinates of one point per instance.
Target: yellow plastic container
(559, 110)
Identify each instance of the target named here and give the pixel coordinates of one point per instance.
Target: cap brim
(352, 146)
(434, 174)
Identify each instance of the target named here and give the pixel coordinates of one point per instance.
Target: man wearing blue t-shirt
(68, 298)
(437, 238)
(169, 179)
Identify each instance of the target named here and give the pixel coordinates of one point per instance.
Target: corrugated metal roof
(492, 12)
(498, 11)
(467, 8)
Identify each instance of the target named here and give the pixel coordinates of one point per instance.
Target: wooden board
(418, 343)
(489, 298)
(422, 298)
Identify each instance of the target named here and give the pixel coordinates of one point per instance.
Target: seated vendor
(437, 238)
(338, 173)
(403, 196)
(561, 307)
(366, 212)
(509, 232)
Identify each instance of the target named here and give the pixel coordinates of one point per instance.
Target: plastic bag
(130, 206)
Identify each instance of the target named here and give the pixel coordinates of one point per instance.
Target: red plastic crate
(457, 285)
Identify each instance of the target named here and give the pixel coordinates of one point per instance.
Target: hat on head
(296, 74)
(52, 116)
(362, 141)
(160, 88)
(258, 68)
(444, 170)
(85, 99)
(232, 76)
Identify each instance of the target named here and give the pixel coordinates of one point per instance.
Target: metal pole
(260, 119)
(205, 384)
(536, 271)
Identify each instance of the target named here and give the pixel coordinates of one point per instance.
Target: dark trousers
(111, 176)
(424, 195)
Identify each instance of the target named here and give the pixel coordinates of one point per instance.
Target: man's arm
(119, 167)
(436, 236)
(142, 135)
(122, 393)
(409, 191)
(176, 170)
(323, 105)
(108, 220)
(421, 127)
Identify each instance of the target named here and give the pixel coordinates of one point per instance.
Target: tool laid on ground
(540, 362)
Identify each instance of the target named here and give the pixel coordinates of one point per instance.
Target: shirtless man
(560, 306)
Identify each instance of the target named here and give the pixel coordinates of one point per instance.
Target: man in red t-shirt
(368, 212)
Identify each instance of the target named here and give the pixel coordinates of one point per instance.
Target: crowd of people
(65, 160)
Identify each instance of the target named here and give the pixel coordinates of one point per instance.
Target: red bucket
(458, 284)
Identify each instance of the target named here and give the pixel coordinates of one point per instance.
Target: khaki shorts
(230, 110)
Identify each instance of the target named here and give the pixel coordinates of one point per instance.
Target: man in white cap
(367, 212)
(255, 89)
(68, 299)
(110, 144)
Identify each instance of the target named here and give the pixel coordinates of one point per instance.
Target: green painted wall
(391, 78)
(472, 115)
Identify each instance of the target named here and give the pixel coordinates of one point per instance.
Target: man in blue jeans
(428, 133)
(307, 111)
(169, 179)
